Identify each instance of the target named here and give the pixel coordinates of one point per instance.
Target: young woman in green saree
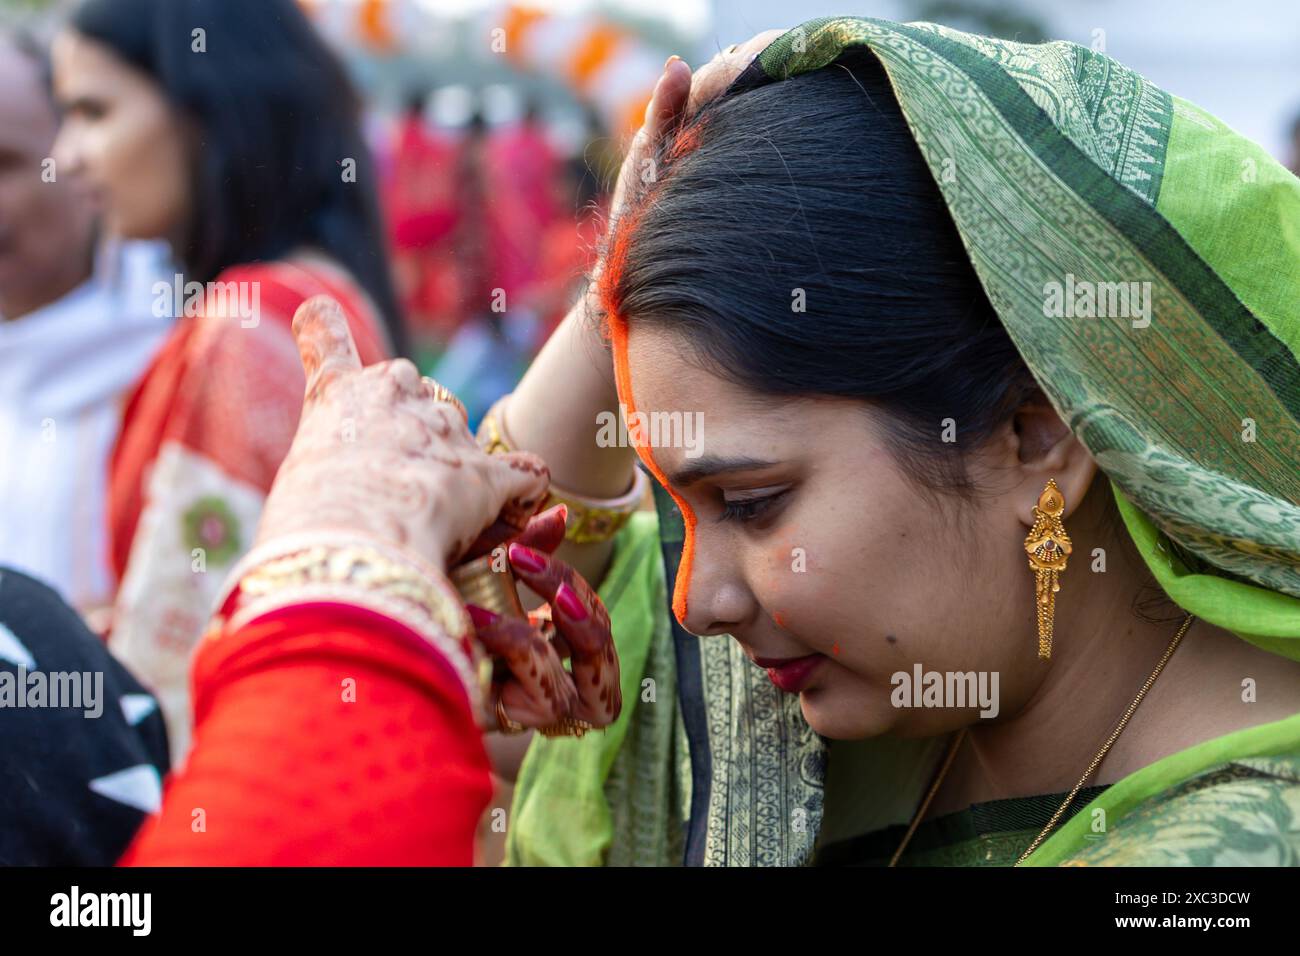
(932, 293)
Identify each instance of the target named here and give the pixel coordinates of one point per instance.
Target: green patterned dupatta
(1078, 187)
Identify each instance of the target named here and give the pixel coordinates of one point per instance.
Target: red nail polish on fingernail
(526, 558)
(481, 616)
(566, 599)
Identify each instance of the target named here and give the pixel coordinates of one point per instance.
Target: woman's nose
(717, 599)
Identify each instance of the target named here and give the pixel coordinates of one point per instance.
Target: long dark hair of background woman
(277, 122)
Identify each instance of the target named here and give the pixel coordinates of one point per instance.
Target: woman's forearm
(560, 405)
(558, 411)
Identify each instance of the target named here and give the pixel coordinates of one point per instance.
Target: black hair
(277, 121)
(813, 189)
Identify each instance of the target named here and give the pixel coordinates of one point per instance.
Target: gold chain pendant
(1048, 547)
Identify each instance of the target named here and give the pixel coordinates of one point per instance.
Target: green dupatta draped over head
(1145, 260)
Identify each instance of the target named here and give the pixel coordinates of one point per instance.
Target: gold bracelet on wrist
(590, 519)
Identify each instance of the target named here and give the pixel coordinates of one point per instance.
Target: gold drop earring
(1048, 547)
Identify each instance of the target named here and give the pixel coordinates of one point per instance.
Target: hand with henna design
(376, 455)
(582, 631)
(541, 690)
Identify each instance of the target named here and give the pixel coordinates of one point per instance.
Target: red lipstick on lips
(790, 674)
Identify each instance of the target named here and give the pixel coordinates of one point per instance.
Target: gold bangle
(599, 519)
(504, 724)
(567, 727)
(300, 541)
(590, 519)
(491, 435)
(482, 584)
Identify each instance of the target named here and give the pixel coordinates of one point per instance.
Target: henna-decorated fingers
(400, 378)
(522, 480)
(383, 453)
(539, 691)
(324, 343)
(581, 620)
(544, 531)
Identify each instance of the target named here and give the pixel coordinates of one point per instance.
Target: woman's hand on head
(377, 455)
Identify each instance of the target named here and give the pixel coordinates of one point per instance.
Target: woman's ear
(1046, 448)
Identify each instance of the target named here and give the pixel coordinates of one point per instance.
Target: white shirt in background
(66, 371)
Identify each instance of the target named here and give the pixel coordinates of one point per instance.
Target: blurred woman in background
(231, 131)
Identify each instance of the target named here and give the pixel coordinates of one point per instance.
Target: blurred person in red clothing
(521, 173)
(566, 248)
(231, 132)
(420, 199)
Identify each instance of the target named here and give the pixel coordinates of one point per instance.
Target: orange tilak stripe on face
(617, 329)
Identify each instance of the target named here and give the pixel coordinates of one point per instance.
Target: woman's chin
(843, 715)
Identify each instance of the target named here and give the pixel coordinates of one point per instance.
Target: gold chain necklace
(1119, 728)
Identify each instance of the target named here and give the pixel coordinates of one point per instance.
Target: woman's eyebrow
(707, 466)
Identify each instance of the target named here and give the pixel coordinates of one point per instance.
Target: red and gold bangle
(590, 519)
(330, 568)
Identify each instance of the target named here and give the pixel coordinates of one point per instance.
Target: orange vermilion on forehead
(687, 139)
(616, 329)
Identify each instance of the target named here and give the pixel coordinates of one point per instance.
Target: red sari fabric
(324, 736)
(423, 210)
